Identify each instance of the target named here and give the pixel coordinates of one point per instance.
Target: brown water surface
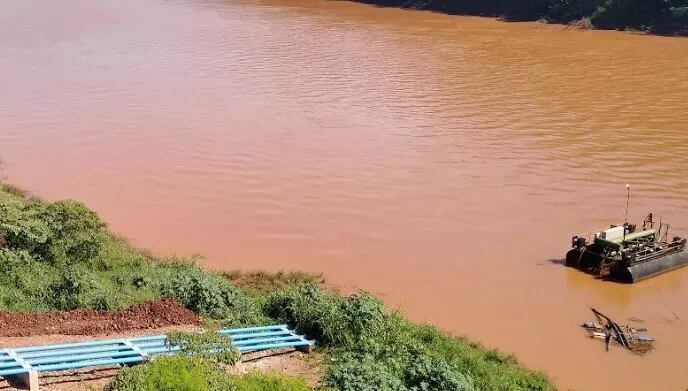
(442, 162)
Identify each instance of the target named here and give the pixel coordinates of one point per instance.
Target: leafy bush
(629, 13)
(193, 373)
(489, 369)
(21, 225)
(76, 233)
(432, 374)
(68, 292)
(172, 373)
(210, 345)
(335, 321)
(60, 232)
(353, 372)
(261, 282)
(208, 293)
(268, 382)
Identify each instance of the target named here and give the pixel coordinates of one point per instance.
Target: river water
(442, 162)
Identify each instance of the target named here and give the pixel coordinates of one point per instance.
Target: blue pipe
(95, 349)
(69, 345)
(156, 340)
(98, 363)
(120, 351)
(144, 346)
(10, 365)
(245, 344)
(11, 372)
(81, 357)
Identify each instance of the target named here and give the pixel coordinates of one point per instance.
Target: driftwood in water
(612, 332)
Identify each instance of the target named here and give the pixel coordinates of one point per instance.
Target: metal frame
(30, 360)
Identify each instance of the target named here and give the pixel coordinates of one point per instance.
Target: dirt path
(145, 316)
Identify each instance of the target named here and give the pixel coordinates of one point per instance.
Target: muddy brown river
(442, 162)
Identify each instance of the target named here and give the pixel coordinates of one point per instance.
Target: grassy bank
(60, 256)
(655, 16)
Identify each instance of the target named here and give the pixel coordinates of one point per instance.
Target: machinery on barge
(627, 254)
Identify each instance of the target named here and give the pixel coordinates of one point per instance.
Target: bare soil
(283, 361)
(158, 317)
(144, 316)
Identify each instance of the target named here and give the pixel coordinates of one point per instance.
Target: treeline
(657, 16)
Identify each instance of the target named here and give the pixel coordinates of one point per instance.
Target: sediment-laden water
(440, 161)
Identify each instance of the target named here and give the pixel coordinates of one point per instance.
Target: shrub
(21, 225)
(431, 374)
(268, 382)
(68, 291)
(11, 259)
(208, 294)
(13, 190)
(582, 23)
(193, 373)
(64, 231)
(489, 369)
(335, 321)
(572, 10)
(262, 282)
(76, 233)
(353, 372)
(210, 345)
(172, 373)
(629, 13)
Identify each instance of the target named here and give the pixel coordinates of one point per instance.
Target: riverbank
(656, 17)
(416, 155)
(59, 256)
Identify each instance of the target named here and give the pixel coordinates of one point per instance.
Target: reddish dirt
(150, 315)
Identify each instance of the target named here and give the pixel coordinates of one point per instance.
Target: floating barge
(628, 254)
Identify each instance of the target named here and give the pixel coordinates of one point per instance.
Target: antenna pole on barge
(628, 202)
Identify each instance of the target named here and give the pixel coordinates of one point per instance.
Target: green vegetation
(199, 366)
(375, 349)
(658, 16)
(172, 373)
(209, 345)
(189, 373)
(261, 282)
(60, 256)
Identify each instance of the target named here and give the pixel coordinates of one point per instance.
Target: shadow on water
(590, 273)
